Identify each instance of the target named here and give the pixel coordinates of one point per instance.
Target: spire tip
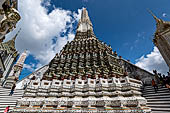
(16, 34)
(155, 17)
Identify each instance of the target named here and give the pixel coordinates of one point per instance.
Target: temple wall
(137, 72)
(38, 75)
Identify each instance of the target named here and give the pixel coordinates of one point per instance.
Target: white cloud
(153, 61)
(77, 16)
(47, 3)
(30, 67)
(40, 29)
(164, 14)
(141, 35)
(84, 0)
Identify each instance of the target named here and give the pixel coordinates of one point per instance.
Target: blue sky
(124, 24)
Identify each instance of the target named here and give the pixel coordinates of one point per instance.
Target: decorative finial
(84, 14)
(84, 23)
(159, 23)
(16, 34)
(18, 31)
(153, 14)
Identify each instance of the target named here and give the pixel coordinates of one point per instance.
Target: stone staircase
(159, 102)
(6, 100)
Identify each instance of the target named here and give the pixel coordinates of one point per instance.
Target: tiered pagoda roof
(85, 56)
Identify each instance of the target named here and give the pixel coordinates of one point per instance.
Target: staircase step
(147, 93)
(157, 94)
(152, 89)
(159, 90)
(7, 97)
(3, 89)
(159, 86)
(160, 109)
(160, 112)
(159, 106)
(158, 97)
(158, 101)
(6, 100)
(2, 106)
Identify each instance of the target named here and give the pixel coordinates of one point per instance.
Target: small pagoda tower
(8, 55)
(16, 70)
(162, 38)
(85, 77)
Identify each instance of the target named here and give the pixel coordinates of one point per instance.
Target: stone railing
(94, 89)
(23, 102)
(58, 102)
(125, 87)
(53, 94)
(135, 81)
(31, 90)
(30, 94)
(67, 94)
(42, 94)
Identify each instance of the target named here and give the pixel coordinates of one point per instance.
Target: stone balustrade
(31, 90)
(109, 93)
(91, 88)
(116, 102)
(27, 94)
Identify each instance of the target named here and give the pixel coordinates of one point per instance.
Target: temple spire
(155, 17)
(85, 16)
(11, 44)
(13, 76)
(84, 23)
(21, 59)
(14, 38)
(160, 24)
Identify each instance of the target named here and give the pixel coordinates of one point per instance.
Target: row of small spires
(84, 77)
(115, 53)
(88, 40)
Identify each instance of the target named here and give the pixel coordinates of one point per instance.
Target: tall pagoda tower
(8, 55)
(86, 76)
(16, 70)
(162, 38)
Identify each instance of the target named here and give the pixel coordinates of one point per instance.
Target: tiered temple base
(85, 77)
(114, 95)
